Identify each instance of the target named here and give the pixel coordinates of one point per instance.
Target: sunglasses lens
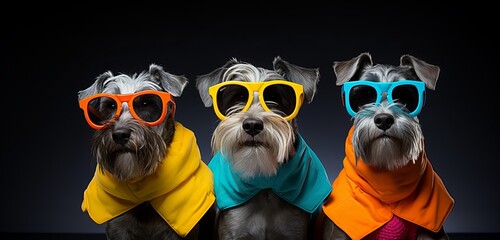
(406, 95)
(361, 95)
(280, 99)
(230, 96)
(148, 107)
(101, 110)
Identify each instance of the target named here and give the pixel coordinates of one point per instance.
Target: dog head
(384, 101)
(133, 116)
(257, 108)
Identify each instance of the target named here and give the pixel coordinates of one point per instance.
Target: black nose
(121, 136)
(253, 126)
(384, 121)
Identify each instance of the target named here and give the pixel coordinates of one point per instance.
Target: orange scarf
(364, 199)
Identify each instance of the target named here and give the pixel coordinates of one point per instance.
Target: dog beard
(138, 157)
(390, 149)
(384, 153)
(258, 155)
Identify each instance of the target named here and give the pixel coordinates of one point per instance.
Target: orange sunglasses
(148, 106)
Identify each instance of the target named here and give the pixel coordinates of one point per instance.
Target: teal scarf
(302, 181)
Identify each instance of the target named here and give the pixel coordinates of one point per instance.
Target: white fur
(124, 84)
(248, 72)
(260, 152)
(276, 142)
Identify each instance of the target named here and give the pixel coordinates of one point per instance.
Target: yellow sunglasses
(279, 96)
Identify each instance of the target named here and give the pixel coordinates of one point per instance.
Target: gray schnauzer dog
(150, 181)
(387, 188)
(268, 183)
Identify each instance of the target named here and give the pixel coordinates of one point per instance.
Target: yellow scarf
(181, 190)
(364, 199)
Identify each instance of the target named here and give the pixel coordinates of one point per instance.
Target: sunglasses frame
(258, 87)
(380, 88)
(128, 98)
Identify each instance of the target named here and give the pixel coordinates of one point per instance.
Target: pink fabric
(395, 229)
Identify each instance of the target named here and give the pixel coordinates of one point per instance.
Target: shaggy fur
(130, 150)
(259, 142)
(385, 137)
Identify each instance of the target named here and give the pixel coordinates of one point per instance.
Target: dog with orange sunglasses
(269, 183)
(150, 181)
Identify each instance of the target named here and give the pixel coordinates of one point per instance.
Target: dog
(269, 184)
(387, 188)
(150, 181)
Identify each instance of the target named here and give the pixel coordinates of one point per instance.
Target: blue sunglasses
(409, 93)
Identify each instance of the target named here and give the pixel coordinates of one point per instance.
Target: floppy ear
(426, 72)
(174, 84)
(307, 77)
(203, 82)
(347, 70)
(96, 87)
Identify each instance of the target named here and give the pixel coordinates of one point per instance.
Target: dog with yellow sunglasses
(269, 184)
(150, 181)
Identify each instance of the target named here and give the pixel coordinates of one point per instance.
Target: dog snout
(121, 136)
(253, 126)
(383, 121)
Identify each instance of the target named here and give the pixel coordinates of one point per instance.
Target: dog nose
(253, 126)
(121, 136)
(384, 121)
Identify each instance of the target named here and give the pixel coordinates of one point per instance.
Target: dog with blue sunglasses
(387, 188)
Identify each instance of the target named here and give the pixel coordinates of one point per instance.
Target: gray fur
(203, 82)
(395, 145)
(386, 149)
(308, 77)
(426, 72)
(156, 78)
(265, 216)
(362, 68)
(96, 87)
(140, 153)
(173, 84)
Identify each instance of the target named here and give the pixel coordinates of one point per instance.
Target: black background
(48, 56)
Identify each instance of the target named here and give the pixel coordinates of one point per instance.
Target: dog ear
(426, 72)
(174, 84)
(203, 82)
(96, 87)
(346, 70)
(307, 77)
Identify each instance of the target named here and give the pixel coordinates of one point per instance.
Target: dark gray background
(50, 56)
